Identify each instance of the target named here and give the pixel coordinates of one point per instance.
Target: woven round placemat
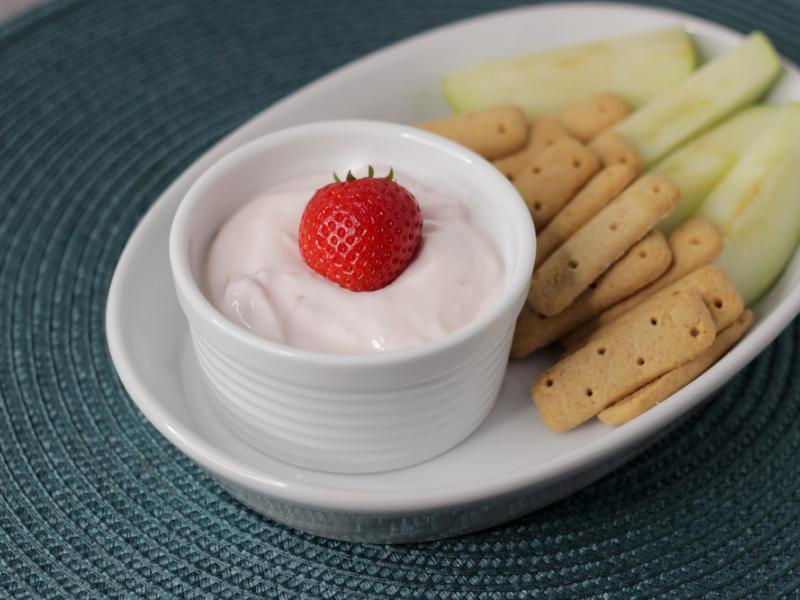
(102, 104)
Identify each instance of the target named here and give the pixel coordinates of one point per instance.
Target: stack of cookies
(639, 315)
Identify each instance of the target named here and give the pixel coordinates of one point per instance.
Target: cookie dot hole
(589, 391)
(653, 321)
(694, 332)
(536, 170)
(573, 264)
(501, 129)
(549, 383)
(656, 189)
(622, 160)
(601, 351)
(613, 226)
(717, 303)
(537, 206)
(577, 163)
(640, 361)
(642, 254)
(549, 142)
(694, 241)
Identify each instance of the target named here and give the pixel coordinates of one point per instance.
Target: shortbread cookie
(694, 244)
(598, 244)
(663, 387)
(582, 384)
(613, 149)
(588, 119)
(544, 132)
(643, 263)
(606, 185)
(717, 291)
(554, 177)
(492, 132)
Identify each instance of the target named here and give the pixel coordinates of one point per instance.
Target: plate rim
(337, 498)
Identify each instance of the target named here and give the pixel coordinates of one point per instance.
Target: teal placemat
(102, 104)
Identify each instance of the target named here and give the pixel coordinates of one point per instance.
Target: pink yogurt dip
(257, 278)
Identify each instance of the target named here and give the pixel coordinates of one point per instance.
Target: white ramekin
(352, 413)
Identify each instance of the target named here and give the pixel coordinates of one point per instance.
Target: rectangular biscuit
(606, 185)
(543, 133)
(613, 149)
(588, 119)
(493, 132)
(582, 384)
(553, 178)
(663, 387)
(694, 244)
(714, 287)
(643, 263)
(599, 243)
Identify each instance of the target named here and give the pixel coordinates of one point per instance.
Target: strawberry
(361, 233)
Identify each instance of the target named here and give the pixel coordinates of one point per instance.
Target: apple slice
(748, 179)
(763, 236)
(637, 67)
(697, 166)
(714, 91)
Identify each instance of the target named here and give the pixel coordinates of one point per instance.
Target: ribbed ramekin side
(411, 424)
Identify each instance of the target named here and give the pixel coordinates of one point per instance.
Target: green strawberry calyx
(370, 174)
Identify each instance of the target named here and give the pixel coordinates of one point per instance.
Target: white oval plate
(512, 464)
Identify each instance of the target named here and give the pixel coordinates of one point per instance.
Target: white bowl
(512, 464)
(352, 413)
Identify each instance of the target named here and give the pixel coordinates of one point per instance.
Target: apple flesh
(636, 67)
(699, 165)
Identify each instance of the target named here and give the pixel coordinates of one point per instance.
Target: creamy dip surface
(257, 278)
